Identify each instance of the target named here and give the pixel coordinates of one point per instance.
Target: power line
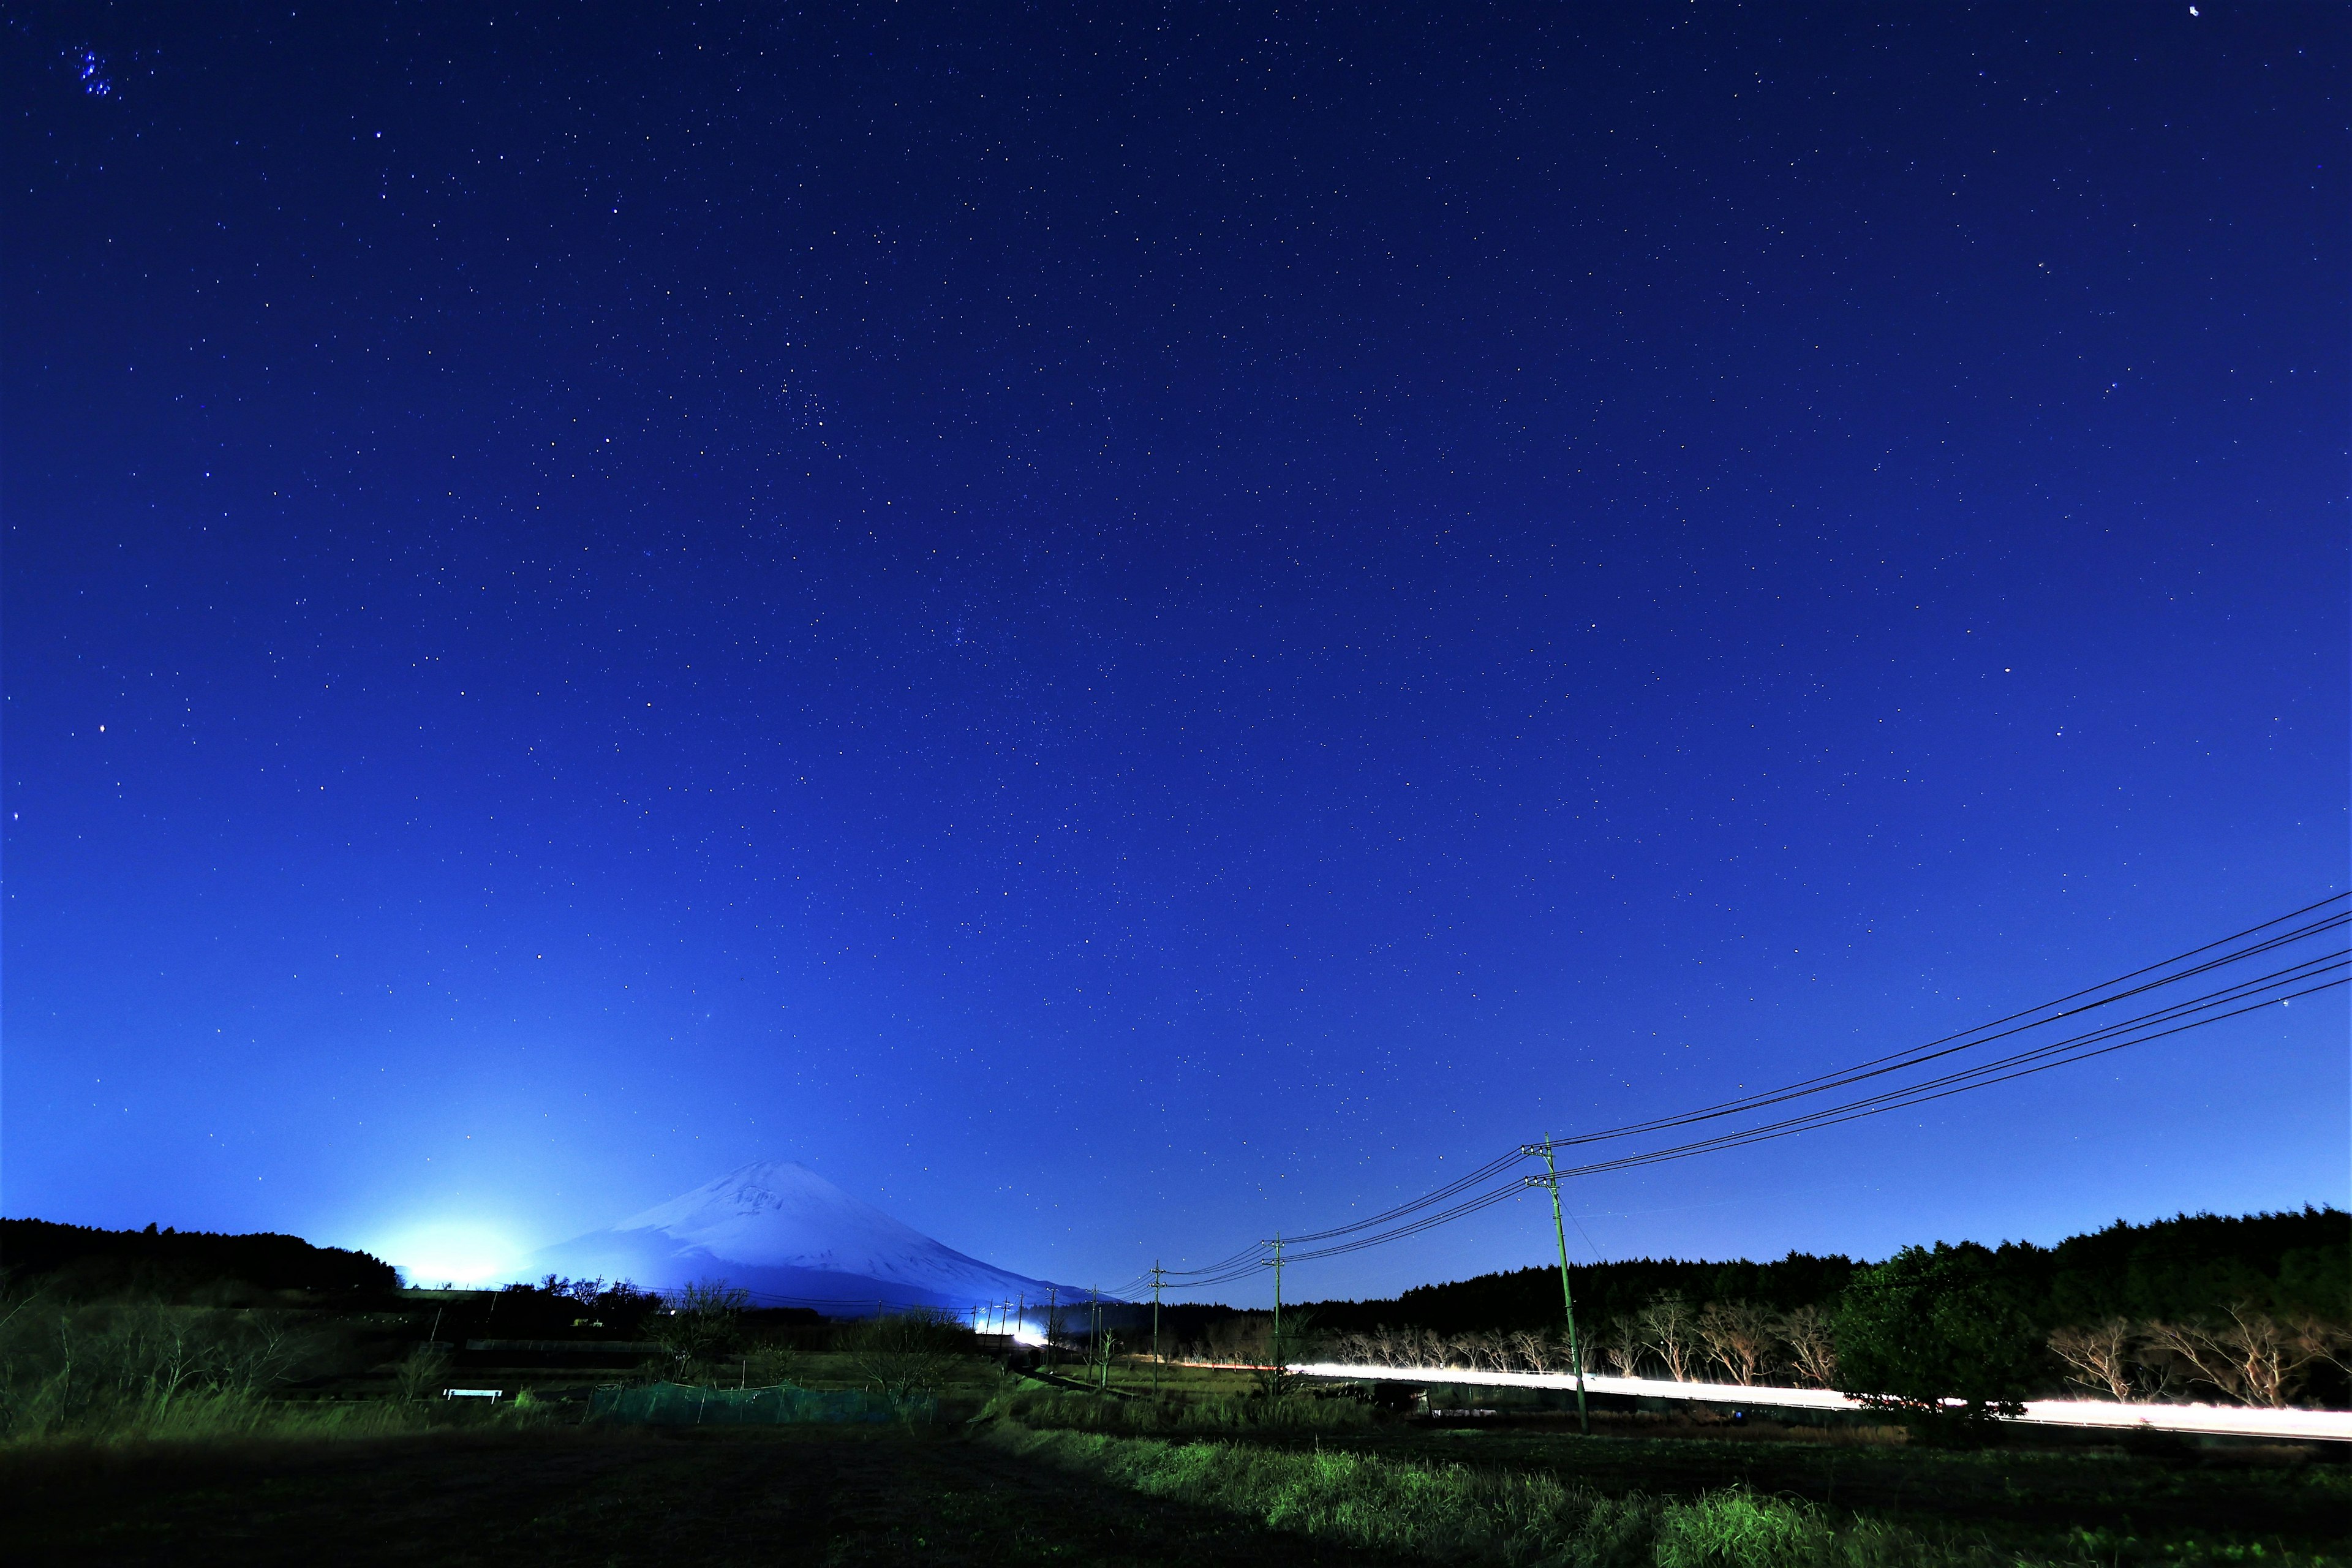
(1460, 1198)
(1935, 1050)
(2285, 985)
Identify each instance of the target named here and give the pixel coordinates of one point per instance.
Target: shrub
(1924, 1327)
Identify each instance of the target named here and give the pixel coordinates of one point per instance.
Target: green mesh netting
(682, 1404)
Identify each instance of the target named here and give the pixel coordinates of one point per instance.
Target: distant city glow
(452, 1252)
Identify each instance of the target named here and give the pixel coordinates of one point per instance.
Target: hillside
(2189, 1266)
(83, 1259)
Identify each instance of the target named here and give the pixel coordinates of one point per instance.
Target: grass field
(786, 1496)
(2046, 1500)
(1072, 1482)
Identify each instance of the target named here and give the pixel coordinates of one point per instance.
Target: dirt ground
(787, 1496)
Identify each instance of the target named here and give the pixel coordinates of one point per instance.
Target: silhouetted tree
(1928, 1326)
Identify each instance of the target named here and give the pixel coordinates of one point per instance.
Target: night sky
(1121, 627)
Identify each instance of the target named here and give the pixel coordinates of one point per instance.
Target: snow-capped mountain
(791, 1238)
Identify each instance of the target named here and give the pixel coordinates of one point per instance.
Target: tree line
(86, 1260)
(2252, 1309)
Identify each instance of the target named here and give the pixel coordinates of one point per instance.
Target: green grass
(2163, 1501)
(1439, 1509)
(1458, 1512)
(240, 1416)
(1206, 1474)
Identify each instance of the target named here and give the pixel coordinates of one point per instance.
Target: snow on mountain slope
(784, 1233)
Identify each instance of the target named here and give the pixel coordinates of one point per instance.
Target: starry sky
(1124, 627)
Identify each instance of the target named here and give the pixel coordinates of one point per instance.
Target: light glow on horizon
(458, 1251)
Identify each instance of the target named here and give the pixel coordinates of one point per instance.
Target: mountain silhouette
(792, 1239)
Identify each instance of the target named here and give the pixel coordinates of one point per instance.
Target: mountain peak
(779, 1230)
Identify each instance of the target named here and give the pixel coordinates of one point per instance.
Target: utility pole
(1550, 1178)
(1156, 1274)
(1095, 1336)
(1277, 1298)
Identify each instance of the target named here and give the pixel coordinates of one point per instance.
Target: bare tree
(697, 1328)
(1737, 1336)
(769, 1363)
(2195, 1346)
(1621, 1347)
(2270, 1355)
(1812, 1351)
(1669, 1328)
(2253, 1358)
(1536, 1351)
(1246, 1339)
(2329, 1342)
(422, 1370)
(907, 1353)
(2100, 1358)
(2157, 1371)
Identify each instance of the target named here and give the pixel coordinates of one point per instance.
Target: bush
(1924, 1327)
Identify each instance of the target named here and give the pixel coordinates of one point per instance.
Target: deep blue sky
(1123, 627)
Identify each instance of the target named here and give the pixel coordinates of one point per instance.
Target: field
(1056, 1476)
(783, 1495)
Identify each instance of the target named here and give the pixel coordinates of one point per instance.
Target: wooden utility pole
(1277, 1300)
(1550, 1178)
(1157, 1275)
